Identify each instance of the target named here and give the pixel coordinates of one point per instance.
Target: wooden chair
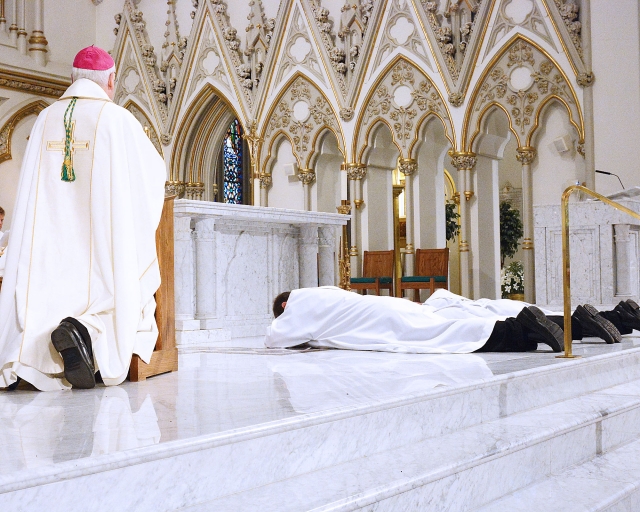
(432, 270)
(377, 272)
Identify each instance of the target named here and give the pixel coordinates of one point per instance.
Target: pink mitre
(93, 58)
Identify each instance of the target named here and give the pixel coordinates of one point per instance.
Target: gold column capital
(356, 171)
(307, 176)
(526, 154)
(407, 166)
(265, 180)
(463, 160)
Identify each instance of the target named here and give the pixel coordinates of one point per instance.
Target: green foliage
(511, 231)
(452, 221)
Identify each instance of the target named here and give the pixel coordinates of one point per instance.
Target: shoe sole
(630, 315)
(77, 372)
(535, 320)
(591, 319)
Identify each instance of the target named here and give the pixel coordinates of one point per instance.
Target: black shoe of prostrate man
(540, 328)
(629, 314)
(594, 324)
(72, 340)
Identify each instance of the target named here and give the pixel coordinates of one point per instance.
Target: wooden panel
(165, 356)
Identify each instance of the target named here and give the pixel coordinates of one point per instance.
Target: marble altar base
(232, 260)
(272, 430)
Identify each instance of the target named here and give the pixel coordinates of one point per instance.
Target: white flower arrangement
(512, 278)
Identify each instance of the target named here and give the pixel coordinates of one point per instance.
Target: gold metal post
(344, 258)
(566, 263)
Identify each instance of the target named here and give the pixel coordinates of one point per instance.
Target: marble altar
(232, 260)
(605, 250)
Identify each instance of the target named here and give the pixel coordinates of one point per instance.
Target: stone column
(184, 275)
(465, 162)
(355, 174)
(307, 177)
(308, 254)
(586, 80)
(265, 183)
(326, 260)
(408, 167)
(525, 156)
(206, 284)
(38, 42)
(626, 263)
(21, 42)
(13, 29)
(3, 19)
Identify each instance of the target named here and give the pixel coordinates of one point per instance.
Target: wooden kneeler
(165, 356)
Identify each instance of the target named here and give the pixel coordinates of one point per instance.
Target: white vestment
(84, 248)
(331, 317)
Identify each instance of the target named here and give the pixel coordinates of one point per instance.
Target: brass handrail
(566, 264)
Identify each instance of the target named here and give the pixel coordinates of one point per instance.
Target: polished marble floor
(234, 388)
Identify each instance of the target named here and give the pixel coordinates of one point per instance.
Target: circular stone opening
(301, 110)
(521, 79)
(402, 96)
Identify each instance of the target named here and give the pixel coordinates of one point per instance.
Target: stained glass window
(232, 164)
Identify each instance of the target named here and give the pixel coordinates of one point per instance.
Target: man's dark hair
(277, 303)
(1, 210)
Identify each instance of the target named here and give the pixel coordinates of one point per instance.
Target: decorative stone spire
(258, 38)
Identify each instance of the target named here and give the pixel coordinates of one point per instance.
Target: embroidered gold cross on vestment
(81, 145)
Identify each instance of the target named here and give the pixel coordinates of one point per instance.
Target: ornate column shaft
(38, 42)
(326, 261)
(408, 167)
(355, 174)
(586, 80)
(525, 156)
(254, 142)
(465, 162)
(265, 183)
(308, 256)
(206, 272)
(307, 177)
(21, 42)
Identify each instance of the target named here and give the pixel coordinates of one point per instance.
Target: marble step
(463, 469)
(212, 466)
(606, 483)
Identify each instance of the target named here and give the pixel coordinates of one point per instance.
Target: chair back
(378, 264)
(432, 262)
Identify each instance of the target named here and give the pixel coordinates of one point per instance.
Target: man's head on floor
(279, 303)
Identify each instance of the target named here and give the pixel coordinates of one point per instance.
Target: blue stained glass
(232, 164)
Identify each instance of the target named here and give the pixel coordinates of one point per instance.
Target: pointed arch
(6, 132)
(401, 76)
(523, 107)
(302, 132)
(143, 117)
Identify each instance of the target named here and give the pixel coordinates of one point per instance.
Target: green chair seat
(371, 280)
(423, 279)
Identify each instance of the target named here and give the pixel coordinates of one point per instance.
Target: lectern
(165, 356)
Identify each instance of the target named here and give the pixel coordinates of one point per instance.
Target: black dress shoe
(76, 352)
(13, 387)
(594, 324)
(629, 316)
(540, 328)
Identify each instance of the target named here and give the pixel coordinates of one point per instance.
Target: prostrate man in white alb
(445, 323)
(81, 271)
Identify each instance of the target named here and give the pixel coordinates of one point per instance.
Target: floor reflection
(39, 428)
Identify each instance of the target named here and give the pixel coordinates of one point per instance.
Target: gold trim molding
(6, 132)
(33, 84)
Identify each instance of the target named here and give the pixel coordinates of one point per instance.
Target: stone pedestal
(232, 260)
(605, 250)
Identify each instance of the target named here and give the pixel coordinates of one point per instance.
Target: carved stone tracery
(301, 113)
(403, 98)
(521, 81)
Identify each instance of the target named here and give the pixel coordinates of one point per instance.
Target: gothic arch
(532, 79)
(301, 113)
(402, 97)
(143, 117)
(6, 132)
(199, 125)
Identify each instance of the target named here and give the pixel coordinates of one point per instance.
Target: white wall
(616, 91)
(286, 191)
